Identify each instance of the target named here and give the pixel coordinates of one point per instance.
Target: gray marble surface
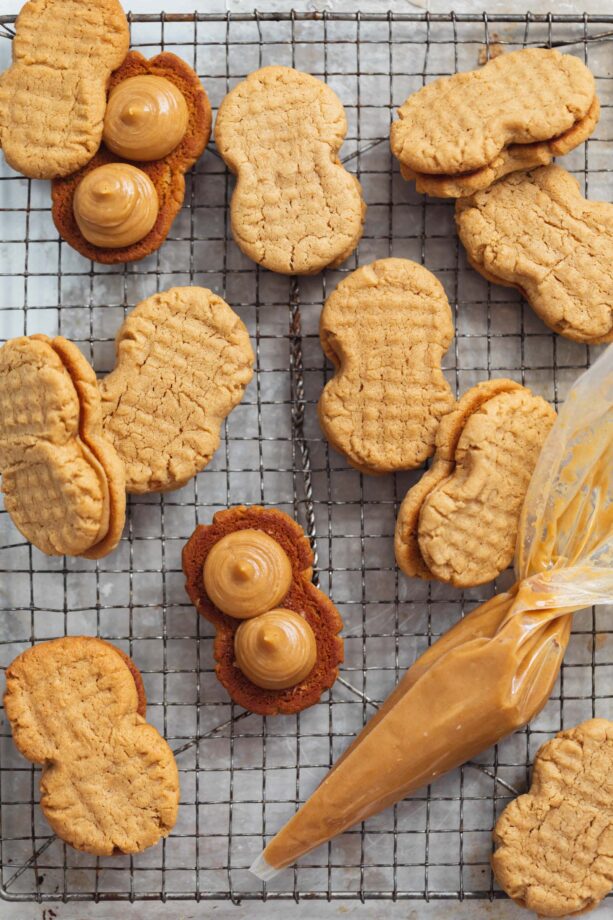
(438, 910)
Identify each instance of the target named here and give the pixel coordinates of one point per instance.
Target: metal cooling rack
(241, 775)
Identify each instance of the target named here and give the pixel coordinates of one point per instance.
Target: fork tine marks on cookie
(53, 96)
(63, 482)
(385, 328)
(536, 232)
(294, 209)
(184, 359)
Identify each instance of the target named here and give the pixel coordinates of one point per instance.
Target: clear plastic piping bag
(494, 670)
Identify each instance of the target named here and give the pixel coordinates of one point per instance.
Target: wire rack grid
(241, 775)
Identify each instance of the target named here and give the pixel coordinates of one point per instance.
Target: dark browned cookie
(167, 174)
(303, 597)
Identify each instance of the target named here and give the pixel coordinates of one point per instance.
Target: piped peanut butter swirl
(275, 650)
(247, 573)
(146, 118)
(115, 205)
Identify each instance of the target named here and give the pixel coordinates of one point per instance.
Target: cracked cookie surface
(183, 361)
(295, 208)
(109, 782)
(386, 328)
(459, 523)
(302, 598)
(167, 174)
(555, 843)
(461, 133)
(63, 482)
(535, 231)
(53, 96)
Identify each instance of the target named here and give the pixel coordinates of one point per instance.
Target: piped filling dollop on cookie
(115, 205)
(146, 118)
(277, 646)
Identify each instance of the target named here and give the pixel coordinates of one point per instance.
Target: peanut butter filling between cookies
(247, 573)
(115, 205)
(275, 650)
(146, 118)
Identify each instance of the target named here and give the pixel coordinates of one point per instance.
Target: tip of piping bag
(262, 869)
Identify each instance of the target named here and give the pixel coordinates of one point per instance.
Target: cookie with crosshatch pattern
(63, 483)
(554, 845)
(167, 174)
(385, 328)
(109, 781)
(536, 232)
(303, 598)
(459, 523)
(183, 361)
(53, 96)
(295, 209)
(461, 133)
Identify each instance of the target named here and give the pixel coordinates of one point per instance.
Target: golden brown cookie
(459, 522)
(109, 782)
(183, 361)
(555, 843)
(459, 134)
(303, 598)
(385, 328)
(295, 209)
(53, 96)
(515, 158)
(535, 231)
(167, 174)
(63, 482)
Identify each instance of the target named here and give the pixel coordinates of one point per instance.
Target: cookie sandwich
(459, 523)
(461, 133)
(63, 481)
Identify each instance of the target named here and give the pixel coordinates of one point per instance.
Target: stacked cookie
(532, 230)
(70, 448)
(63, 482)
(460, 134)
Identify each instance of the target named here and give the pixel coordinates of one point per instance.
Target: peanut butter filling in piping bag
(494, 670)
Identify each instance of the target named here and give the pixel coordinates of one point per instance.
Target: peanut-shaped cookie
(183, 361)
(385, 328)
(109, 781)
(536, 232)
(459, 522)
(63, 483)
(53, 96)
(295, 209)
(166, 173)
(459, 134)
(277, 644)
(555, 843)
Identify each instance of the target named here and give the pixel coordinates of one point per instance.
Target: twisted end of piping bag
(494, 670)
